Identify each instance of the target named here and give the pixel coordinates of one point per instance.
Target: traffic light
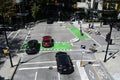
(107, 37)
(107, 5)
(74, 5)
(116, 6)
(5, 51)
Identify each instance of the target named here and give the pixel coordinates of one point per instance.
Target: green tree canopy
(7, 9)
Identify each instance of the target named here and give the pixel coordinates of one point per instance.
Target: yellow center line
(96, 73)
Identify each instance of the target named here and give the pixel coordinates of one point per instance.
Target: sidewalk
(112, 65)
(7, 72)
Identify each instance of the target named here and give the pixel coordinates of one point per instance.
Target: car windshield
(46, 40)
(32, 44)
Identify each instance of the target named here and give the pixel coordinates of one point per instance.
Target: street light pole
(8, 48)
(6, 34)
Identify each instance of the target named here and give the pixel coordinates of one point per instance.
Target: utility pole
(109, 42)
(6, 34)
(8, 49)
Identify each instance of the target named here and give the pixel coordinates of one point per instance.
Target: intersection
(35, 67)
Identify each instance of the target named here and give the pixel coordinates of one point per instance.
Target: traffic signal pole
(8, 48)
(109, 42)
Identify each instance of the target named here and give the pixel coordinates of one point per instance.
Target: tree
(7, 10)
(35, 7)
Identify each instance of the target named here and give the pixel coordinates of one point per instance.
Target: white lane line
(102, 36)
(96, 65)
(39, 62)
(36, 75)
(93, 39)
(33, 68)
(96, 42)
(16, 34)
(92, 74)
(58, 76)
(45, 62)
(10, 34)
(82, 72)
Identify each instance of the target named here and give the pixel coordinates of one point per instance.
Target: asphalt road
(42, 66)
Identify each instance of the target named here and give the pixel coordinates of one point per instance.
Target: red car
(47, 41)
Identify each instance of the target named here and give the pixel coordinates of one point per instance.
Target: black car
(64, 63)
(32, 47)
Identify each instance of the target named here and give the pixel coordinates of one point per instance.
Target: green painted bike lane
(76, 32)
(62, 45)
(57, 46)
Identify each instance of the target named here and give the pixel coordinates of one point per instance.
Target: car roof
(46, 37)
(64, 59)
(32, 42)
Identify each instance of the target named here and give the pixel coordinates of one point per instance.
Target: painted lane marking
(96, 72)
(93, 39)
(90, 37)
(96, 65)
(33, 68)
(91, 74)
(16, 34)
(96, 42)
(45, 62)
(39, 62)
(102, 74)
(58, 76)
(10, 34)
(82, 72)
(36, 75)
(103, 36)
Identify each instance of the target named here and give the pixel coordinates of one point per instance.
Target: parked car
(32, 47)
(47, 41)
(64, 63)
